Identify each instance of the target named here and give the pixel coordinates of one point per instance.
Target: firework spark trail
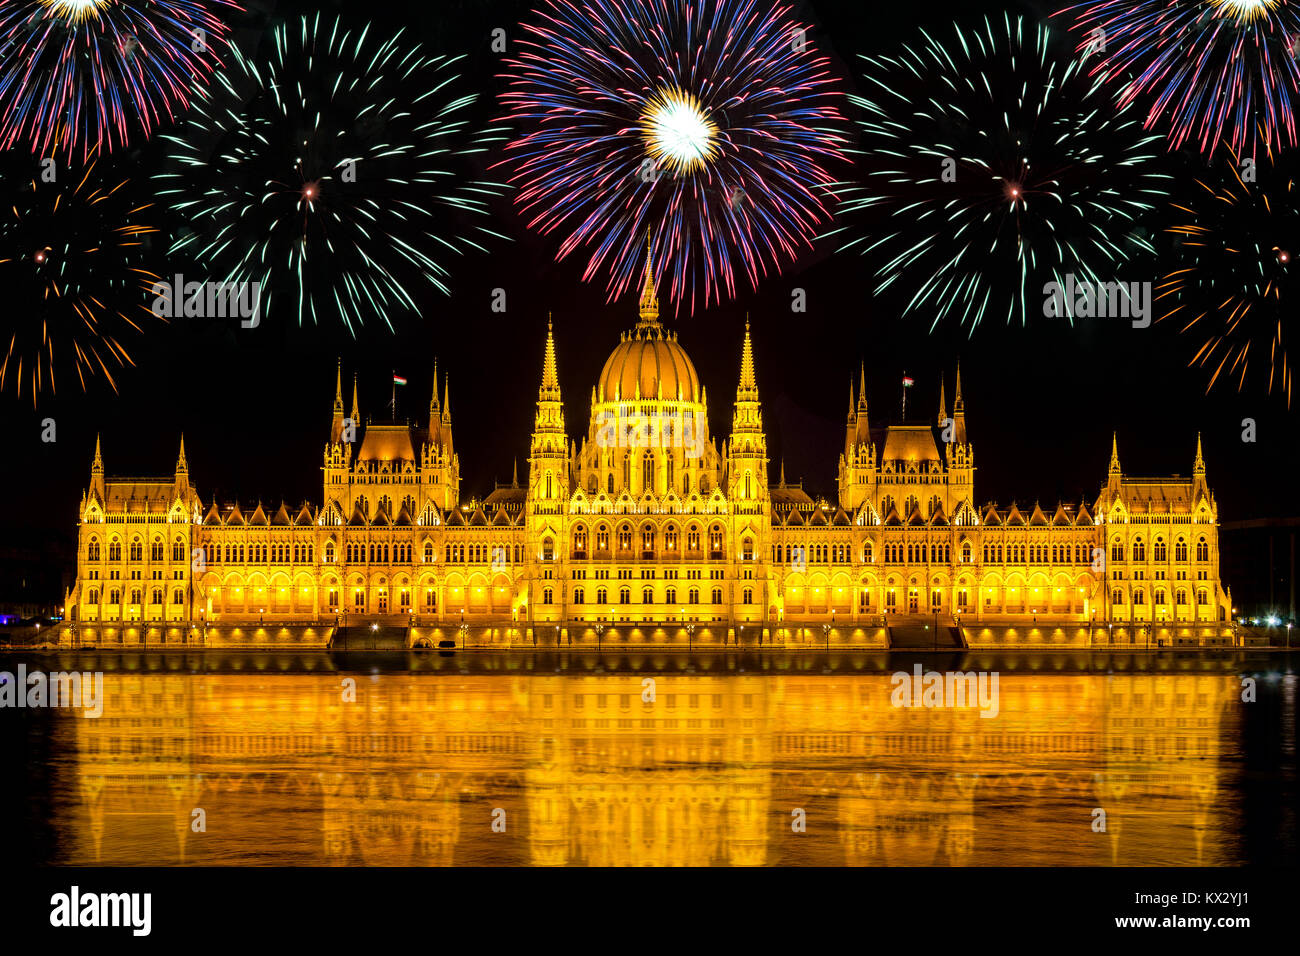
(1232, 280)
(336, 176)
(970, 190)
(707, 127)
(74, 278)
(89, 75)
(1212, 70)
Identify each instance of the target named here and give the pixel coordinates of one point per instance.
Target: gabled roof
(910, 443)
(454, 519)
(818, 518)
(841, 519)
(281, 517)
(304, 516)
(213, 517)
(387, 443)
(403, 519)
(1060, 518)
(236, 516)
(258, 517)
(358, 519)
(1037, 517)
(506, 494)
(1014, 517)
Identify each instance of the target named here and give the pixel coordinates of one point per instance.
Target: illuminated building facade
(648, 521)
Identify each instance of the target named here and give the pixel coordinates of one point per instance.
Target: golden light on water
(679, 133)
(588, 771)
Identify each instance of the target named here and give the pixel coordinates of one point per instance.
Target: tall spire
(852, 400)
(434, 405)
(782, 472)
(943, 404)
(1114, 454)
(181, 464)
(957, 403)
(747, 381)
(97, 472)
(356, 405)
(862, 389)
(550, 378)
(446, 400)
(338, 390)
(1198, 467)
(649, 298)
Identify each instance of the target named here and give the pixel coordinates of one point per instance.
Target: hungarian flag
(907, 381)
(398, 380)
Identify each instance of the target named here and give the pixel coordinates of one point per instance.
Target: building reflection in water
(589, 773)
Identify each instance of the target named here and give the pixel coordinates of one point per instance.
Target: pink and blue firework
(1214, 71)
(705, 128)
(92, 74)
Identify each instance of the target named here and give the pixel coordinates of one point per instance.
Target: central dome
(648, 363)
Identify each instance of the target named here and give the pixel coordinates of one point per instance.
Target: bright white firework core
(678, 132)
(77, 10)
(1245, 9)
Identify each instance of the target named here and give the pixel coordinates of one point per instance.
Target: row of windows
(1161, 597)
(648, 478)
(1159, 552)
(155, 596)
(1077, 553)
(280, 553)
(136, 550)
(648, 537)
(647, 596)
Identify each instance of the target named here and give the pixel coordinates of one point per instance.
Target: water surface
(509, 759)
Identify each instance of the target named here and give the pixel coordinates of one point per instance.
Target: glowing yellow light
(77, 10)
(1245, 9)
(678, 132)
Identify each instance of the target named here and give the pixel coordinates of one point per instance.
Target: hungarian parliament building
(647, 523)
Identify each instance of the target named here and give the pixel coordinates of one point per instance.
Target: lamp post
(463, 631)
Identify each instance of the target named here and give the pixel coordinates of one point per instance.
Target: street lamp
(463, 631)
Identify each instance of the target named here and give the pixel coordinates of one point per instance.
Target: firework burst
(75, 288)
(1235, 286)
(706, 126)
(994, 166)
(89, 74)
(330, 174)
(1214, 70)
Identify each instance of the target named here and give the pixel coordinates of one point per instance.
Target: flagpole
(394, 394)
(904, 397)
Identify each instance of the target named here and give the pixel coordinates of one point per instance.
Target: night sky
(1041, 401)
